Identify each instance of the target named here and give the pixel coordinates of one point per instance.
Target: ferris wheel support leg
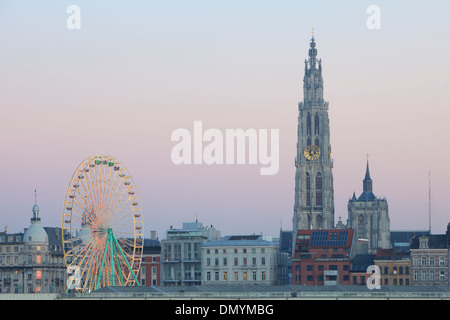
(119, 271)
(103, 260)
(125, 259)
(112, 264)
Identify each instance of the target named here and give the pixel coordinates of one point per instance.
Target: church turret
(369, 216)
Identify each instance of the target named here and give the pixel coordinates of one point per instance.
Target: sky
(138, 70)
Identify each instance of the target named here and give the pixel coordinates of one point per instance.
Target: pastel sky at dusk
(138, 70)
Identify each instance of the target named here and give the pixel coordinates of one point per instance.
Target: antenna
(429, 201)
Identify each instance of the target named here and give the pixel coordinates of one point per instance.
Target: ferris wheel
(102, 226)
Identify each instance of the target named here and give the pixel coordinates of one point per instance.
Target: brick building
(323, 257)
(150, 272)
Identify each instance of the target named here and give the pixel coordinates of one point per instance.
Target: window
(225, 276)
(442, 275)
(416, 275)
(245, 275)
(38, 259)
(424, 275)
(316, 124)
(235, 261)
(254, 275)
(308, 188)
(245, 262)
(225, 261)
(236, 276)
(431, 261)
(423, 261)
(208, 261)
(319, 181)
(441, 261)
(415, 261)
(263, 261)
(263, 276)
(431, 276)
(38, 275)
(208, 276)
(308, 124)
(319, 198)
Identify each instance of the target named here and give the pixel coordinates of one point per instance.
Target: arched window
(361, 227)
(316, 124)
(308, 124)
(319, 181)
(308, 181)
(319, 189)
(308, 188)
(319, 198)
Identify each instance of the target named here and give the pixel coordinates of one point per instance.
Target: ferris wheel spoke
(86, 193)
(110, 190)
(113, 209)
(86, 213)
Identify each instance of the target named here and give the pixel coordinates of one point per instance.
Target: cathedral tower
(314, 195)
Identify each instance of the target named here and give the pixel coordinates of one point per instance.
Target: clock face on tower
(312, 152)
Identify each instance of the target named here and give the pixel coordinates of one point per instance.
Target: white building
(240, 259)
(181, 253)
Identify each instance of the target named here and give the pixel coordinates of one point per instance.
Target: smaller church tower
(369, 216)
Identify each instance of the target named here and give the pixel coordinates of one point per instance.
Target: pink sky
(132, 75)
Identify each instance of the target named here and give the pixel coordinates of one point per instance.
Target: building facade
(429, 260)
(181, 254)
(150, 270)
(395, 266)
(323, 257)
(242, 259)
(314, 195)
(369, 216)
(33, 261)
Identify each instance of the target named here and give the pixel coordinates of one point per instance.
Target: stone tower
(314, 196)
(369, 216)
